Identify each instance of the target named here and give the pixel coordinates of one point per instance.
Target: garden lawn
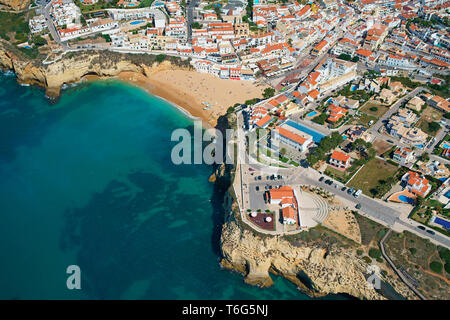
(365, 119)
(381, 109)
(368, 177)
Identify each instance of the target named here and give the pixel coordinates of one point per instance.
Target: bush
(230, 110)
(374, 253)
(380, 260)
(447, 267)
(107, 37)
(381, 233)
(436, 266)
(160, 58)
(367, 259)
(444, 253)
(374, 109)
(359, 252)
(413, 251)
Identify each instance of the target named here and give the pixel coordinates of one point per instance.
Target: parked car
(390, 141)
(421, 227)
(430, 231)
(350, 191)
(358, 206)
(343, 188)
(259, 178)
(321, 178)
(257, 188)
(357, 193)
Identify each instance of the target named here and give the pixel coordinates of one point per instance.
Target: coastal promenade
(385, 213)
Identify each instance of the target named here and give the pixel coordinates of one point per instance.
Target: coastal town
(355, 108)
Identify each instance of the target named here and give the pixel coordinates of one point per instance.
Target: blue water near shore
(89, 181)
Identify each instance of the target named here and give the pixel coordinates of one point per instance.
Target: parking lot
(257, 188)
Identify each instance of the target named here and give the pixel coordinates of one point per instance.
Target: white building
(292, 137)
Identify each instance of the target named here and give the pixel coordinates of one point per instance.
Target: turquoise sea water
(89, 181)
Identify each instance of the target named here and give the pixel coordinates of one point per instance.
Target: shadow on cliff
(221, 185)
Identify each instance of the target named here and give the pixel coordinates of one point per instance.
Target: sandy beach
(190, 90)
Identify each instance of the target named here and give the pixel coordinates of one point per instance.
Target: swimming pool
(420, 146)
(137, 22)
(311, 114)
(445, 146)
(330, 100)
(354, 88)
(442, 222)
(317, 137)
(405, 199)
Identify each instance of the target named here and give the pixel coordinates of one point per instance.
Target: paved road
(190, 17)
(394, 108)
(51, 26)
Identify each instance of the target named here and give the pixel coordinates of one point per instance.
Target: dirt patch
(381, 146)
(345, 223)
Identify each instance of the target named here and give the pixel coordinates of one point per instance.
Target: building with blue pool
(442, 222)
(316, 136)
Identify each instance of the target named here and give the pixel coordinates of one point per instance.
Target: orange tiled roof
(290, 135)
(340, 156)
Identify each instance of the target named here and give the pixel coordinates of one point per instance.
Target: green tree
(433, 126)
(268, 93)
(425, 157)
(344, 56)
(39, 41)
(196, 25)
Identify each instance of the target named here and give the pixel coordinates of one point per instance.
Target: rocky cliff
(15, 4)
(316, 270)
(73, 66)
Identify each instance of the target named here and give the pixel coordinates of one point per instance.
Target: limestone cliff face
(327, 272)
(15, 4)
(73, 67)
